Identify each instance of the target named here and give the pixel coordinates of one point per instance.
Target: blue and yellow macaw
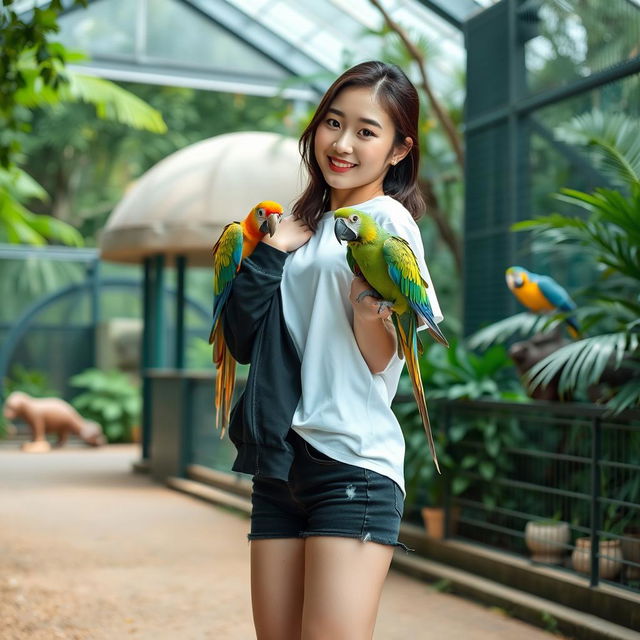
(541, 294)
(389, 265)
(236, 242)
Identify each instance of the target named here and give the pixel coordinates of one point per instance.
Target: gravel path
(91, 551)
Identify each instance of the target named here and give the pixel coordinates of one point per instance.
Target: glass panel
(551, 169)
(578, 38)
(207, 45)
(103, 29)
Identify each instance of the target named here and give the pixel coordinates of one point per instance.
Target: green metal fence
(570, 468)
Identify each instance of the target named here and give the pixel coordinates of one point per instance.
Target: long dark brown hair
(399, 98)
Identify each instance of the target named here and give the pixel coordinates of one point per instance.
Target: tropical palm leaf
(628, 396)
(519, 325)
(615, 138)
(112, 102)
(583, 361)
(18, 225)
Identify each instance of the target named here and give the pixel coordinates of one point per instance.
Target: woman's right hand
(290, 234)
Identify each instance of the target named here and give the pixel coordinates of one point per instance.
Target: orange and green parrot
(540, 294)
(389, 265)
(236, 242)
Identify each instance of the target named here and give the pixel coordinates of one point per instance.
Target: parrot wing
(351, 261)
(560, 299)
(555, 294)
(227, 255)
(404, 271)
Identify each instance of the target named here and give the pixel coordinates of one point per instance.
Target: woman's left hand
(369, 307)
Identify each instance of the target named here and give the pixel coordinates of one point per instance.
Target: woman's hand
(290, 234)
(372, 327)
(368, 309)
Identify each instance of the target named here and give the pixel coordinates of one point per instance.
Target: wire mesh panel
(558, 483)
(532, 68)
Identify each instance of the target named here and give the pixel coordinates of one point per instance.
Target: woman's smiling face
(354, 146)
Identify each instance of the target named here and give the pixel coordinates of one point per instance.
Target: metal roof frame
(254, 34)
(455, 12)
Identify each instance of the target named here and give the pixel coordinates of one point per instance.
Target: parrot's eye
(354, 218)
(261, 211)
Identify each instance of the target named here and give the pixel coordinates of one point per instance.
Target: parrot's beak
(270, 224)
(343, 232)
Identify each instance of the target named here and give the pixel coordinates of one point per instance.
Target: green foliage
(458, 374)
(20, 38)
(111, 400)
(32, 75)
(549, 622)
(103, 157)
(30, 381)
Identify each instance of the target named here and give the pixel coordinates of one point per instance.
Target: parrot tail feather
(438, 337)
(408, 339)
(573, 328)
(225, 380)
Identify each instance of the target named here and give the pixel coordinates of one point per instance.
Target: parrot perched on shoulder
(236, 242)
(389, 265)
(541, 293)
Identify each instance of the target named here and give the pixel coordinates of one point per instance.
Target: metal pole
(447, 483)
(145, 360)
(158, 309)
(94, 271)
(596, 435)
(517, 81)
(181, 263)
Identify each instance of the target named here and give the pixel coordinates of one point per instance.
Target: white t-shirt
(344, 410)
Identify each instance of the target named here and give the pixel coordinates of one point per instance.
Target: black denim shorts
(324, 497)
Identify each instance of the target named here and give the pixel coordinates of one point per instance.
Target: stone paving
(91, 551)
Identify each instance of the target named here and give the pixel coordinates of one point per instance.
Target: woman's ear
(401, 151)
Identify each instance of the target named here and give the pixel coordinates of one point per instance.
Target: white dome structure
(180, 206)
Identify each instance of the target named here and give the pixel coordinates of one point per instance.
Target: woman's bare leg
(277, 587)
(342, 587)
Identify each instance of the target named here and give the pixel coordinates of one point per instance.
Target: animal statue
(50, 416)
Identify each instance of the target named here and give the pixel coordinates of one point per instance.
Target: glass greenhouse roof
(256, 46)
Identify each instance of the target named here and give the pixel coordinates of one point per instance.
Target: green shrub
(111, 400)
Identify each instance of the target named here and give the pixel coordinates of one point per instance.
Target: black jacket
(255, 332)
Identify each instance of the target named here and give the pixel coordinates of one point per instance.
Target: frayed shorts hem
(332, 534)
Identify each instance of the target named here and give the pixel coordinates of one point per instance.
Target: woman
(314, 426)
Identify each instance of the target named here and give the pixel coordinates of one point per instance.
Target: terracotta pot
(434, 521)
(547, 541)
(608, 567)
(631, 552)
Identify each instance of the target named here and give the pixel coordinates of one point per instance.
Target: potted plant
(547, 540)
(609, 547)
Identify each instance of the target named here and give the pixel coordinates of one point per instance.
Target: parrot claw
(369, 292)
(385, 304)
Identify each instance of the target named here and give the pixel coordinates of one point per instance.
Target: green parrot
(389, 265)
